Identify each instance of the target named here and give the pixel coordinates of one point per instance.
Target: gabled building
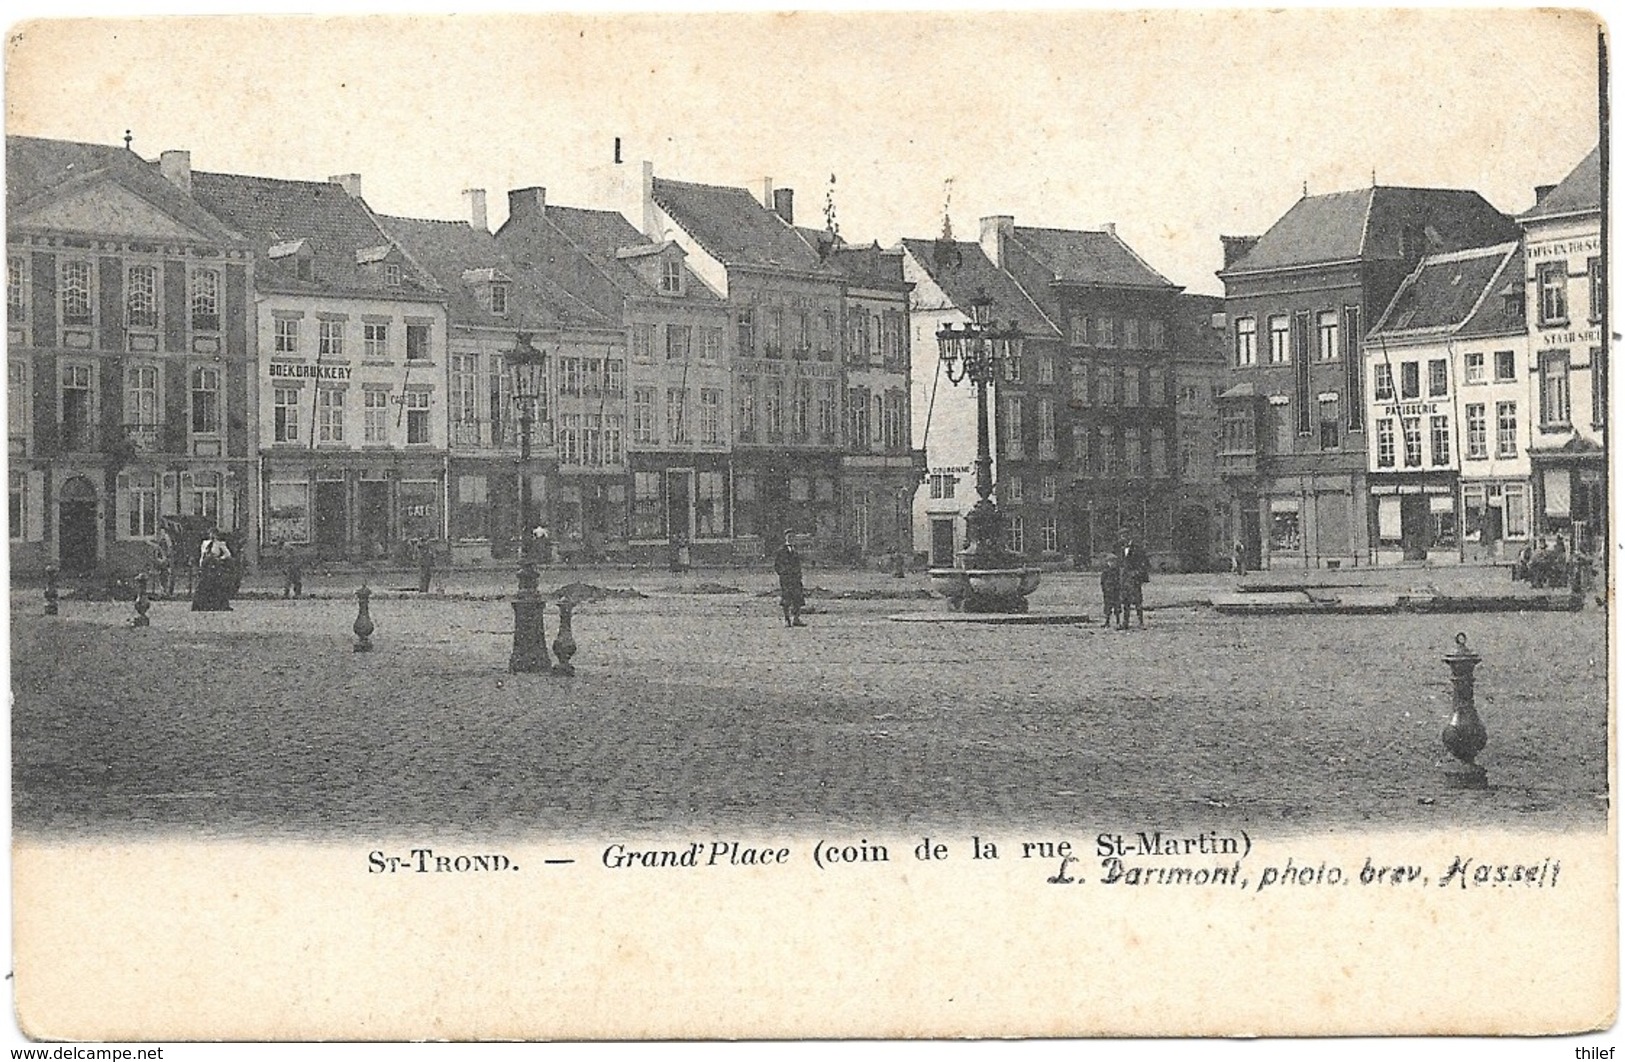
(1110, 393)
(1199, 369)
(1294, 435)
(351, 342)
(786, 307)
(675, 395)
(1448, 361)
(130, 386)
(578, 435)
(1567, 278)
(947, 276)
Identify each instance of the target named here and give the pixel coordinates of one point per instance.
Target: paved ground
(700, 709)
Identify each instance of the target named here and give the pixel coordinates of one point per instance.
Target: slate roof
(963, 271)
(1371, 223)
(602, 235)
(1088, 257)
(464, 259)
(1445, 290)
(1491, 317)
(336, 226)
(1578, 193)
(734, 228)
(867, 267)
(40, 169)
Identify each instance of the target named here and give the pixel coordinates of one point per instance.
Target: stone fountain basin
(1007, 583)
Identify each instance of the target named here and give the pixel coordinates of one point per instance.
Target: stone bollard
(564, 646)
(142, 603)
(363, 621)
(1464, 735)
(50, 590)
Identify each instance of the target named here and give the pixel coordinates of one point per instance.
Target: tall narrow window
(773, 408)
(1410, 380)
(745, 406)
(671, 276)
(375, 340)
(1412, 427)
(205, 495)
(1326, 345)
(1438, 377)
(1477, 432)
(285, 414)
(1246, 342)
(78, 408)
(417, 412)
(1382, 385)
(499, 299)
(205, 300)
(1280, 340)
(141, 296)
(1554, 389)
(417, 342)
(16, 297)
(76, 296)
(1596, 289)
(330, 415)
(374, 417)
(1353, 370)
(205, 400)
(745, 332)
(285, 337)
(141, 505)
(1441, 440)
(1506, 429)
(141, 397)
(1385, 443)
(1552, 283)
(711, 416)
(330, 339)
(676, 415)
(679, 342)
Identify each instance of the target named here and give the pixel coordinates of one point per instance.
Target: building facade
(1199, 371)
(351, 344)
(1567, 285)
(1293, 436)
(1447, 372)
(130, 382)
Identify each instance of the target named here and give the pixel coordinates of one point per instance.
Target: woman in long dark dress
(213, 592)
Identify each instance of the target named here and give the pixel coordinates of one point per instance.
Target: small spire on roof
(128, 136)
(1373, 176)
(1306, 189)
(947, 201)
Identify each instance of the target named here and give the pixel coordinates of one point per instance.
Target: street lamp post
(527, 367)
(988, 577)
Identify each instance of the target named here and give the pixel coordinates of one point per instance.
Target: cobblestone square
(694, 706)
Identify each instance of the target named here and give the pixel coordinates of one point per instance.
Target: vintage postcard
(811, 525)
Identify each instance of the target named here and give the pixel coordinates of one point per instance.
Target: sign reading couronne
(318, 372)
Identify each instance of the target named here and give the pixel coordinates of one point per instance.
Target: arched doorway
(76, 525)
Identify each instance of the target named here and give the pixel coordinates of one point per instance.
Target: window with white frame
(569, 441)
(204, 497)
(1047, 488)
(1385, 443)
(463, 401)
(1105, 385)
(1326, 340)
(1506, 429)
(1383, 382)
(711, 416)
(330, 339)
(829, 415)
(745, 407)
(285, 335)
(16, 291)
(711, 343)
(1012, 487)
(1246, 342)
(141, 394)
(392, 274)
(615, 376)
(329, 415)
(1078, 330)
(1156, 334)
(1133, 455)
(1051, 532)
(679, 342)
(648, 505)
(643, 414)
(1410, 380)
(1046, 428)
(1440, 431)
(1506, 366)
(1515, 503)
(773, 408)
(499, 298)
(141, 296)
(141, 505)
(205, 387)
(78, 301)
(1554, 389)
(417, 417)
(205, 300)
(1106, 332)
(710, 505)
(1473, 366)
(1438, 377)
(1478, 446)
(614, 439)
(285, 414)
(671, 276)
(1552, 285)
(417, 342)
(1596, 289)
(1015, 538)
(1412, 430)
(375, 340)
(1131, 333)
(1280, 340)
(1046, 369)
(374, 417)
(1010, 438)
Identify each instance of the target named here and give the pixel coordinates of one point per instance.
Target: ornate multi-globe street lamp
(527, 369)
(988, 576)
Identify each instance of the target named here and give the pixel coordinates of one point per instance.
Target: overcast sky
(1178, 126)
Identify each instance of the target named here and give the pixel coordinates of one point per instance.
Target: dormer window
(671, 277)
(298, 250)
(499, 298)
(392, 274)
(304, 269)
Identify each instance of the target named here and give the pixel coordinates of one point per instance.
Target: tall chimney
(527, 204)
(996, 231)
(475, 200)
(1541, 190)
(350, 182)
(767, 192)
(1109, 228)
(784, 204)
(651, 213)
(1236, 248)
(176, 166)
(617, 151)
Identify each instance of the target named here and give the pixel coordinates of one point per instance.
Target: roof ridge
(1511, 251)
(1365, 222)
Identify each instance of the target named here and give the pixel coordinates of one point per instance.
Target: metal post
(1464, 735)
(564, 646)
(50, 590)
(529, 607)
